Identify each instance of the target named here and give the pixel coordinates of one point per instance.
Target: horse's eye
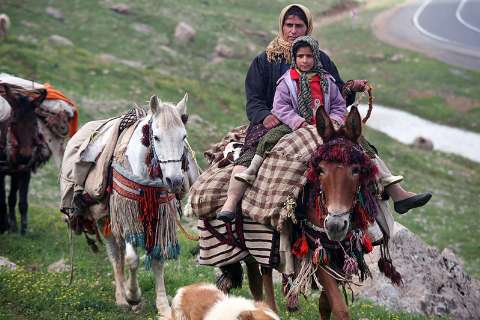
(355, 170)
(156, 138)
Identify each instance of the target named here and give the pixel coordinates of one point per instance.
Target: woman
(294, 21)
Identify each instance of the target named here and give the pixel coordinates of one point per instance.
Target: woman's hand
(359, 85)
(270, 121)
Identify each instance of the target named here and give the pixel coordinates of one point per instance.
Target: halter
(152, 159)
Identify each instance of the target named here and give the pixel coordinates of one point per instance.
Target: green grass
(30, 292)
(102, 89)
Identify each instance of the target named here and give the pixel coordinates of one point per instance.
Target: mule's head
(23, 122)
(337, 170)
(168, 138)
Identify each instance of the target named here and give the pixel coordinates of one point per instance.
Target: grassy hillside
(153, 63)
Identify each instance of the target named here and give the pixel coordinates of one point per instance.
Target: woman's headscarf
(279, 48)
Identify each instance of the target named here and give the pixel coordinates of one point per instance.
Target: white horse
(156, 167)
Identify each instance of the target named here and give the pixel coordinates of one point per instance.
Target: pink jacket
(285, 102)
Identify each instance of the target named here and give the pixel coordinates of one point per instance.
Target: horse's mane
(168, 117)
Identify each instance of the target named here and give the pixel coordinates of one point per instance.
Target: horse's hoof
(138, 306)
(134, 302)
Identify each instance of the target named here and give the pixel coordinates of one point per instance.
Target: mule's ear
(353, 124)
(324, 124)
(182, 105)
(154, 104)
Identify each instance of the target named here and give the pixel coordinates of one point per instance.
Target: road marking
(416, 17)
(462, 21)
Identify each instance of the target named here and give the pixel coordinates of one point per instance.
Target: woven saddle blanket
(271, 199)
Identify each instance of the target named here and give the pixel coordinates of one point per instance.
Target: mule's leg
(132, 288)
(12, 202)
(324, 306)
(255, 280)
(268, 286)
(3, 206)
(335, 298)
(23, 183)
(161, 302)
(116, 254)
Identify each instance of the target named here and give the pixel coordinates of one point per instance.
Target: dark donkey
(22, 150)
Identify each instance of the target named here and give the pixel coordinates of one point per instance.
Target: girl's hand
(270, 121)
(303, 125)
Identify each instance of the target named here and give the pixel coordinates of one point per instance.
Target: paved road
(453, 21)
(448, 30)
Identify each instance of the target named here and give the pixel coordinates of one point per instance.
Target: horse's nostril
(345, 224)
(169, 182)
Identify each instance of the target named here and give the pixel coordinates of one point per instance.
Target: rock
(184, 32)
(435, 283)
(168, 50)
(422, 144)
(223, 51)
(142, 28)
(59, 266)
(57, 40)
(55, 13)
(397, 57)
(121, 8)
(5, 263)
(110, 58)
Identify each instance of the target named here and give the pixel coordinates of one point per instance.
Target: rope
(368, 91)
(185, 232)
(70, 239)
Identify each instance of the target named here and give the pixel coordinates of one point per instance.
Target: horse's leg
(23, 183)
(12, 202)
(161, 302)
(324, 306)
(132, 289)
(3, 206)
(268, 287)
(254, 280)
(116, 254)
(335, 298)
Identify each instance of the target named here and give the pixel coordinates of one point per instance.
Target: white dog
(4, 25)
(205, 302)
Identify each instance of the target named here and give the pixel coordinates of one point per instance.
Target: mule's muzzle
(337, 226)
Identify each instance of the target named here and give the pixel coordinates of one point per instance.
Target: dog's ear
(246, 315)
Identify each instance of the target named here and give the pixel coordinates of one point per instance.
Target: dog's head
(261, 312)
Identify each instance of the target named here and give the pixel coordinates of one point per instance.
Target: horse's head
(23, 122)
(340, 171)
(168, 138)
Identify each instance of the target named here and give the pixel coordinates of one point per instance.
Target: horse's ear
(182, 105)
(353, 124)
(154, 104)
(324, 124)
(182, 108)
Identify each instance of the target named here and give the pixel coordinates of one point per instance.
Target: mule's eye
(355, 170)
(320, 171)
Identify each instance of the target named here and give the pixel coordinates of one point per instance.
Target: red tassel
(361, 217)
(367, 244)
(300, 247)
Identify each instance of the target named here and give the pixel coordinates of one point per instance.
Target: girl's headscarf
(305, 93)
(280, 49)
